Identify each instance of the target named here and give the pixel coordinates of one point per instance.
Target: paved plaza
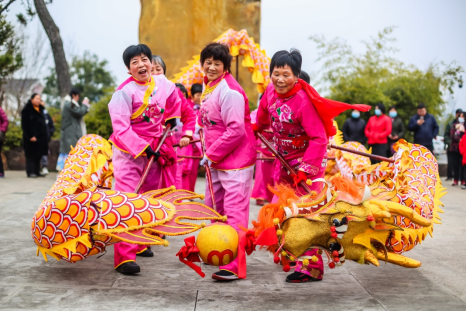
(27, 282)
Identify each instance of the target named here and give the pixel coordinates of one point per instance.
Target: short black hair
(158, 60)
(292, 58)
(421, 106)
(392, 107)
(303, 75)
(136, 50)
(381, 106)
(217, 51)
(74, 91)
(182, 89)
(459, 110)
(196, 88)
(33, 95)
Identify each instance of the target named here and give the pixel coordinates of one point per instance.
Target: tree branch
(4, 8)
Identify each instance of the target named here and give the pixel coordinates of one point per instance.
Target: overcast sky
(427, 30)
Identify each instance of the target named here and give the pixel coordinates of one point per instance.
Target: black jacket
(423, 134)
(50, 125)
(398, 128)
(353, 130)
(34, 124)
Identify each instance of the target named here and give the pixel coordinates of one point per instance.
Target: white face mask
(461, 120)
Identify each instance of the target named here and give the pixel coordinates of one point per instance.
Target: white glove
(205, 160)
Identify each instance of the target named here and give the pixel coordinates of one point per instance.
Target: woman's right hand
(34, 139)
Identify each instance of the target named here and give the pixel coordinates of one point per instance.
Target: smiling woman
(230, 143)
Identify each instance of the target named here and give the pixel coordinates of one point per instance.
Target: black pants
(1, 162)
(33, 165)
(456, 165)
(449, 166)
(430, 147)
(378, 149)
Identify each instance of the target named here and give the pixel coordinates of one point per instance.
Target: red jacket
(3, 121)
(377, 129)
(462, 146)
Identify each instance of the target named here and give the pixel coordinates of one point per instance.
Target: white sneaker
(44, 171)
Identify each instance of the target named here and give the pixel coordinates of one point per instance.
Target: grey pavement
(27, 282)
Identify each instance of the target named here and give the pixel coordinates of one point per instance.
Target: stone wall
(15, 160)
(179, 29)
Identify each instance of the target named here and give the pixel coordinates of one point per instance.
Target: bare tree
(61, 66)
(25, 81)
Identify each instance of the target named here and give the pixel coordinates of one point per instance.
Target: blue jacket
(423, 134)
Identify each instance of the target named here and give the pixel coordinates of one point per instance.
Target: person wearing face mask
(302, 122)
(353, 128)
(138, 109)
(398, 130)
(230, 144)
(447, 141)
(378, 128)
(424, 126)
(456, 134)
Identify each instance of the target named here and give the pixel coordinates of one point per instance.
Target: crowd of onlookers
(382, 131)
(38, 128)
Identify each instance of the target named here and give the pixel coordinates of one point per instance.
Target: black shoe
(224, 275)
(448, 179)
(298, 277)
(146, 253)
(32, 176)
(128, 268)
(40, 175)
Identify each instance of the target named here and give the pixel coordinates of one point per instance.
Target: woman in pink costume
(264, 169)
(138, 109)
(182, 133)
(230, 143)
(301, 121)
(186, 174)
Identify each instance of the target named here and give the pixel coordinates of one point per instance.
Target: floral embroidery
(151, 115)
(205, 118)
(309, 168)
(284, 113)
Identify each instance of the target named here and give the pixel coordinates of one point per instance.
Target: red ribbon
(189, 254)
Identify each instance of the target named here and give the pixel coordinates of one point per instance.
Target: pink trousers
(264, 177)
(232, 191)
(186, 174)
(128, 172)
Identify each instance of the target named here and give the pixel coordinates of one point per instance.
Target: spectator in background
(3, 129)
(377, 130)
(398, 129)
(353, 128)
(424, 126)
(72, 124)
(456, 134)
(35, 135)
(462, 148)
(50, 130)
(447, 141)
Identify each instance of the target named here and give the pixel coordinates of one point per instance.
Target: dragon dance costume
(300, 133)
(137, 110)
(231, 147)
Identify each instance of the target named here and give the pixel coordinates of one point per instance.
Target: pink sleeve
(188, 117)
(314, 128)
(262, 118)
(3, 121)
(120, 108)
(173, 106)
(232, 113)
